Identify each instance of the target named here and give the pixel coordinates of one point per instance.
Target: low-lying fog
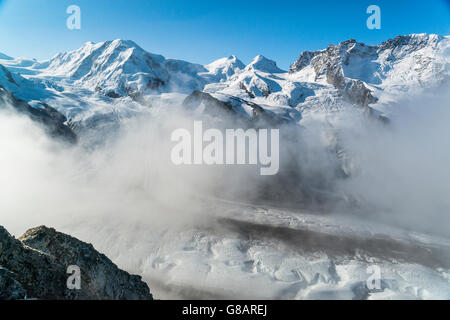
(128, 187)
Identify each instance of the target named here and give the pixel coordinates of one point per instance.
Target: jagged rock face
(111, 72)
(231, 109)
(35, 267)
(330, 64)
(10, 289)
(352, 66)
(255, 80)
(50, 118)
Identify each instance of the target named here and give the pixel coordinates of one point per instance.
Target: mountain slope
(53, 122)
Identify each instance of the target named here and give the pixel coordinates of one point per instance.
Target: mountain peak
(125, 43)
(260, 58)
(263, 64)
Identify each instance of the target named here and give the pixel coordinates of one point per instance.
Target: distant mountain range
(86, 84)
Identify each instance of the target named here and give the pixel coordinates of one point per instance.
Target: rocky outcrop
(330, 64)
(35, 267)
(52, 120)
(230, 108)
(354, 91)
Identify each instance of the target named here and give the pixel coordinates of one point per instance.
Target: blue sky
(202, 31)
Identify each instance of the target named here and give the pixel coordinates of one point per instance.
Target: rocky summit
(35, 266)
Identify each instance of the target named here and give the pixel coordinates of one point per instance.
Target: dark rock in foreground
(35, 267)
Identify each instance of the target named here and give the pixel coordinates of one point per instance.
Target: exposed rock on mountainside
(259, 79)
(53, 121)
(96, 82)
(352, 67)
(229, 107)
(35, 266)
(263, 64)
(8, 75)
(5, 57)
(291, 184)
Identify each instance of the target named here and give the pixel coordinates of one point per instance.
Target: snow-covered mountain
(252, 81)
(395, 67)
(120, 68)
(5, 57)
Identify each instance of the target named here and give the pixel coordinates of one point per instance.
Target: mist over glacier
(402, 169)
(127, 198)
